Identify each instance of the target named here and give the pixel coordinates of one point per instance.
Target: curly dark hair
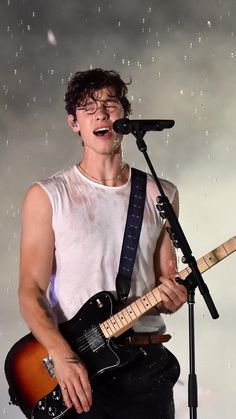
(85, 83)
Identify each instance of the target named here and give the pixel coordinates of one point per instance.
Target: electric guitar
(92, 334)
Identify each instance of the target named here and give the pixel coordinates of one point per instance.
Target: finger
(171, 299)
(66, 396)
(86, 387)
(176, 288)
(74, 398)
(83, 391)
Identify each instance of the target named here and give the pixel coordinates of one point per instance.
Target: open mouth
(100, 132)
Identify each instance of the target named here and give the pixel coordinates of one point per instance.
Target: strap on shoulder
(132, 233)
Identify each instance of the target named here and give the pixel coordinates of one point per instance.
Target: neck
(110, 170)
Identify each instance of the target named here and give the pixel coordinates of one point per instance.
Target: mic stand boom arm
(192, 281)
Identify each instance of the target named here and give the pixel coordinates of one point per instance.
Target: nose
(102, 111)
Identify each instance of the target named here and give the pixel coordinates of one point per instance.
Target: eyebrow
(111, 99)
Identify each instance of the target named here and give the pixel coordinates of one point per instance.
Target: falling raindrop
(51, 37)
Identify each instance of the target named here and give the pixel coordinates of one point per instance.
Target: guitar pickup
(48, 363)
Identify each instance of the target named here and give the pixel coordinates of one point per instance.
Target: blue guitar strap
(131, 234)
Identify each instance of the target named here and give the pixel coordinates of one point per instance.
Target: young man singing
(72, 232)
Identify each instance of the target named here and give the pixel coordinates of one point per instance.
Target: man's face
(95, 121)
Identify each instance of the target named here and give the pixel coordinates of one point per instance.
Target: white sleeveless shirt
(89, 222)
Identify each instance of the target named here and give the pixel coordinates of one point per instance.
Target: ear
(73, 123)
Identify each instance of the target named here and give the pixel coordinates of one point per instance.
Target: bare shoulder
(37, 201)
(37, 239)
(169, 188)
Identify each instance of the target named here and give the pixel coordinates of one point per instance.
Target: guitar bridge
(48, 363)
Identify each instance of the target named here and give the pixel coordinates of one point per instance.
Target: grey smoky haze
(181, 57)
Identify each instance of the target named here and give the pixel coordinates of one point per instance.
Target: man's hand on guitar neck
(73, 379)
(173, 295)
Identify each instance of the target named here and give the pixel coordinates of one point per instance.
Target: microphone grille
(122, 126)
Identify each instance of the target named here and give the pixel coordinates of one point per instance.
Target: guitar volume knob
(52, 411)
(42, 405)
(56, 395)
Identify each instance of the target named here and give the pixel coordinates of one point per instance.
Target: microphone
(127, 126)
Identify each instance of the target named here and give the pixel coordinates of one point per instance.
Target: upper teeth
(102, 129)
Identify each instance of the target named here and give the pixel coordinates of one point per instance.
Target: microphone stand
(193, 280)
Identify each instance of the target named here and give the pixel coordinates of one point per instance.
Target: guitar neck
(125, 319)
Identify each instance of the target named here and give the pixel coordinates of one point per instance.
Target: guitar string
(83, 340)
(137, 303)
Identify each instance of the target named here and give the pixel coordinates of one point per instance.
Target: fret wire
(122, 318)
(110, 325)
(153, 297)
(127, 312)
(131, 312)
(118, 321)
(135, 302)
(136, 309)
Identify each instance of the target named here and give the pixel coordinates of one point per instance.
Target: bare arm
(173, 294)
(36, 258)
